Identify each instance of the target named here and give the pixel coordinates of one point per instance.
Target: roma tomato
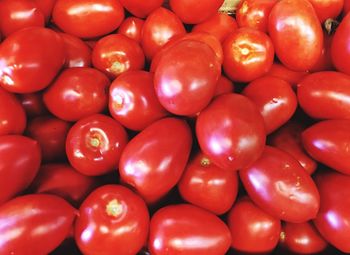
(77, 93)
(187, 230)
(280, 71)
(33, 104)
(132, 28)
(94, 144)
(154, 160)
(224, 86)
(40, 223)
(88, 19)
(346, 8)
(324, 62)
(279, 185)
(288, 22)
(30, 59)
(112, 220)
(46, 6)
(252, 229)
(327, 9)
(231, 131)
(141, 9)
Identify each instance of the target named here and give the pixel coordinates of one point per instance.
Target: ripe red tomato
(154, 160)
(33, 104)
(94, 144)
(326, 9)
(34, 224)
(88, 19)
(46, 6)
(77, 93)
(346, 8)
(324, 62)
(133, 101)
(296, 34)
(132, 28)
(248, 54)
(141, 9)
(280, 71)
(231, 131)
(30, 59)
(112, 220)
(187, 230)
(224, 86)
(252, 229)
(278, 184)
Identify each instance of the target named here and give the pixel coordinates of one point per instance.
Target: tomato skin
(77, 93)
(187, 229)
(324, 62)
(141, 9)
(248, 54)
(280, 71)
(221, 127)
(34, 218)
(112, 220)
(132, 28)
(278, 184)
(46, 6)
(296, 49)
(326, 9)
(224, 86)
(133, 101)
(33, 52)
(154, 160)
(33, 104)
(346, 8)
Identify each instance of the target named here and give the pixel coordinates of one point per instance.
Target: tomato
(326, 9)
(30, 59)
(325, 60)
(224, 86)
(46, 6)
(112, 220)
(346, 8)
(34, 224)
(160, 26)
(12, 115)
(115, 54)
(280, 71)
(252, 229)
(32, 104)
(77, 93)
(192, 12)
(296, 34)
(133, 101)
(187, 229)
(231, 131)
(220, 25)
(141, 9)
(275, 100)
(278, 184)
(248, 54)
(132, 28)
(208, 186)
(154, 160)
(88, 19)
(185, 77)
(328, 142)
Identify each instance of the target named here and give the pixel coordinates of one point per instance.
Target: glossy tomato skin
(33, 104)
(46, 6)
(280, 71)
(133, 101)
(296, 49)
(248, 54)
(346, 8)
(81, 18)
(327, 9)
(278, 184)
(141, 9)
(252, 229)
(231, 131)
(174, 227)
(154, 160)
(77, 93)
(94, 144)
(186, 76)
(30, 59)
(324, 62)
(224, 86)
(132, 28)
(41, 222)
(112, 220)
(205, 185)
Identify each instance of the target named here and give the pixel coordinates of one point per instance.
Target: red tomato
(185, 77)
(12, 115)
(282, 72)
(132, 28)
(208, 186)
(328, 142)
(33, 104)
(88, 19)
(115, 54)
(278, 184)
(139, 8)
(248, 54)
(46, 6)
(34, 224)
(77, 93)
(224, 86)
(194, 12)
(154, 160)
(326, 9)
(231, 131)
(133, 101)
(346, 8)
(112, 220)
(160, 26)
(325, 60)
(187, 230)
(30, 59)
(94, 144)
(296, 34)
(252, 230)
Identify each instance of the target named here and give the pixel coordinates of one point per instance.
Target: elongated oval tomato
(132, 28)
(34, 224)
(154, 160)
(327, 9)
(139, 8)
(296, 34)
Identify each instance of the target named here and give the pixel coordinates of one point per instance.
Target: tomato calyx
(114, 208)
(205, 162)
(117, 67)
(330, 26)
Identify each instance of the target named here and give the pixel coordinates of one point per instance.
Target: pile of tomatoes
(172, 127)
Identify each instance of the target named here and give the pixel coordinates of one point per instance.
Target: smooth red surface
(46, 6)
(324, 62)
(33, 104)
(327, 9)
(224, 86)
(132, 28)
(141, 9)
(280, 71)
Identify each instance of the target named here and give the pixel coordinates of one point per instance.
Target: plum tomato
(139, 8)
(132, 28)
(224, 86)
(280, 71)
(327, 9)
(33, 104)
